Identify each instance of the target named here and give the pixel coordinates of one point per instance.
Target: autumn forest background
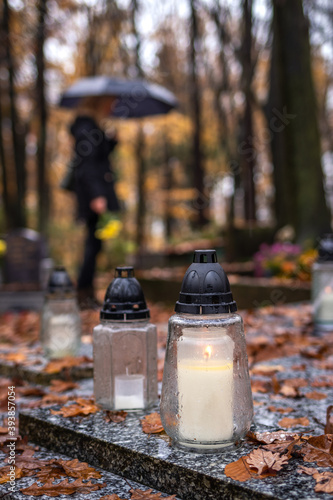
(248, 151)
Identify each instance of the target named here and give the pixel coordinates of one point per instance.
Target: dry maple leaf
(63, 488)
(265, 461)
(324, 482)
(144, 494)
(151, 424)
(319, 449)
(293, 422)
(80, 407)
(62, 385)
(115, 416)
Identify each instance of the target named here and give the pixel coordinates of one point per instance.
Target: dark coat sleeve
(93, 175)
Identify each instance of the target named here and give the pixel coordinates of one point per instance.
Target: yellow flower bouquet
(109, 226)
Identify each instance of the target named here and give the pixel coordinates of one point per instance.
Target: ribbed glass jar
(206, 403)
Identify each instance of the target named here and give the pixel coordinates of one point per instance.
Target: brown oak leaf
(280, 410)
(151, 424)
(310, 471)
(293, 422)
(319, 449)
(80, 407)
(111, 497)
(272, 437)
(4, 473)
(57, 365)
(73, 468)
(264, 461)
(53, 399)
(115, 416)
(62, 386)
(324, 482)
(239, 470)
(315, 395)
(144, 494)
(267, 370)
(63, 488)
(329, 420)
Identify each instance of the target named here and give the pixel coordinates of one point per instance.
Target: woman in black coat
(94, 184)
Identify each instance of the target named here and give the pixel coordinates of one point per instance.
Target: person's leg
(86, 276)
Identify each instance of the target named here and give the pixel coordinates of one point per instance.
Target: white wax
(205, 399)
(129, 392)
(325, 308)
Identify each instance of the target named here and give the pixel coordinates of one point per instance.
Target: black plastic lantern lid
(205, 288)
(124, 299)
(59, 282)
(325, 248)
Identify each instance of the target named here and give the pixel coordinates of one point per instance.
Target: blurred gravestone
(22, 271)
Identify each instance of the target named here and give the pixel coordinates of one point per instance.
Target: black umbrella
(136, 98)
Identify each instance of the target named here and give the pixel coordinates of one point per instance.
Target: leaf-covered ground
(272, 333)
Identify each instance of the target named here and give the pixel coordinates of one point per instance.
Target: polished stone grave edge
(114, 484)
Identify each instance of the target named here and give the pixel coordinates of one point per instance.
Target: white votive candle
(129, 392)
(205, 387)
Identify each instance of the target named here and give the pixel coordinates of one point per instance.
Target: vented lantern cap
(205, 288)
(124, 298)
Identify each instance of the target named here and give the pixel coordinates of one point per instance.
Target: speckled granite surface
(114, 484)
(33, 368)
(125, 450)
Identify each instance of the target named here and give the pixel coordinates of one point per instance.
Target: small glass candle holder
(206, 403)
(60, 318)
(125, 348)
(322, 286)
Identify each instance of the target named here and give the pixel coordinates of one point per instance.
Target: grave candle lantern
(125, 347)
(322, 285)
(206, 402)
(60, 319)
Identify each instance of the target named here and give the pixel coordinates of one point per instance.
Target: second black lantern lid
(124, 298)
(205, 288)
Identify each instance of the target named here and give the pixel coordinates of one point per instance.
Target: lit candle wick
(208, 352)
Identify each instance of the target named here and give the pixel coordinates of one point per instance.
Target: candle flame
(208, 352)
(328, 289)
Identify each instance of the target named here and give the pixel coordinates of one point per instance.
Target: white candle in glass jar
(129, 392)
(325, 307)
(205, 398)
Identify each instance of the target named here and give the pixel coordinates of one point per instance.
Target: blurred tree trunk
(167, 186)
(141, 205)
(13, 149)
(292, 115)
(140, 140)
(42, 180)
(246, 148)
(200, 203)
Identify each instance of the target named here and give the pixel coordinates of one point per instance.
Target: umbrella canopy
(136, 98)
